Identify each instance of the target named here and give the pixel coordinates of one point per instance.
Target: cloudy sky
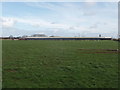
(84, 19)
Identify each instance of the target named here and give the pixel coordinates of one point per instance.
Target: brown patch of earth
(100, 51)
(12, 70)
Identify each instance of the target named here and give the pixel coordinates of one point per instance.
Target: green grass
(59, 64)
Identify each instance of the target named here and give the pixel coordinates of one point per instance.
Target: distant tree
(38, 35)
(24, 36)
(11, 37)
(119, 36)
(99, 35)
(52, 36)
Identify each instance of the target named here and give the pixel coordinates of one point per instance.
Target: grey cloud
(94, 26)
(88, 13)
(72, 28)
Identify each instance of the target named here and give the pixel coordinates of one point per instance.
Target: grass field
(60, 64)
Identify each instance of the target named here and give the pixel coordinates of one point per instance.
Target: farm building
(67, 38)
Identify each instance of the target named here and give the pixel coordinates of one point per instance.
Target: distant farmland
(60, 64)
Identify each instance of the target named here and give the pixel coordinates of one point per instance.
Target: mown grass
(59, 64)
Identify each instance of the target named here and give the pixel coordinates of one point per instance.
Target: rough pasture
(60, 64)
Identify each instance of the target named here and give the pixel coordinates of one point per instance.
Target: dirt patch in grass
(12, 70)
(99, 51)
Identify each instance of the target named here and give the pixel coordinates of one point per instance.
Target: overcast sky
(85, 19)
